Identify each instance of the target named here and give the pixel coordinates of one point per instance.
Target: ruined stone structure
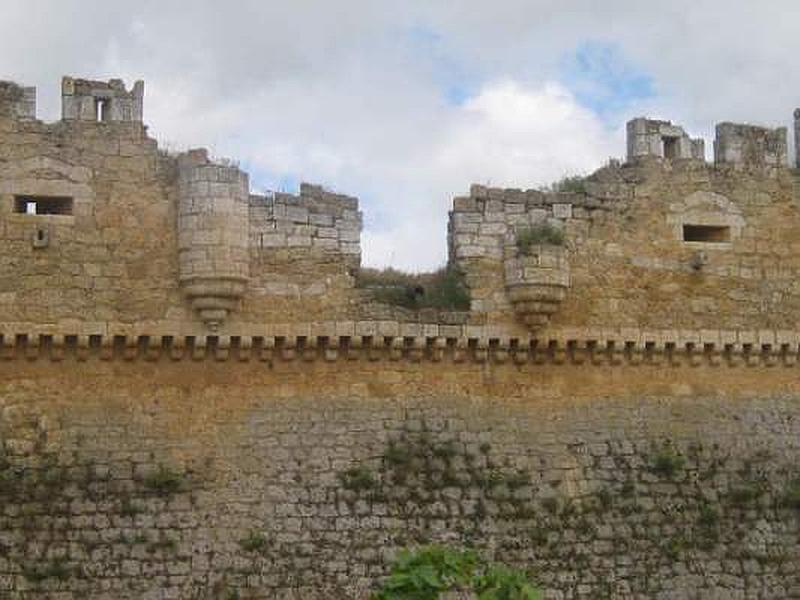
(648, 137)
(197, 401)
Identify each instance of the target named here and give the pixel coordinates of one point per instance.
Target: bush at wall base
(441, 573)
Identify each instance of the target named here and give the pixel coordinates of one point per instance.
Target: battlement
(16, 101)
(736, 144)
(662, 139)
(122, 232)
(100, 101)
(197, 399)
(750, 146)
(315, 219)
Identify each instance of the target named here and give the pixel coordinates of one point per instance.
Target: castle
(197, 400)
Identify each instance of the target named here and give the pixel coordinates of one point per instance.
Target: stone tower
(212, 235)
(797, 137)
(86, 100)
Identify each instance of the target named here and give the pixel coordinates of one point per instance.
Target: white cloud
(508, 135)
(343, 94)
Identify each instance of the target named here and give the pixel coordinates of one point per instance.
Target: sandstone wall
(115, 257)
(305, 247)
(643, 445)
(299, 477)
(629, 263)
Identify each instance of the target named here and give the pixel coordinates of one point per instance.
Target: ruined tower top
(750, 146)
(662, 139)
(17, 101)
(86, 100)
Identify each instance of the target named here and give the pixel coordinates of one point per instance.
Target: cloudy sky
(404, 104)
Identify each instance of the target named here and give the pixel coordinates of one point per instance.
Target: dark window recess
(43, 205)
(102, 109)
(670, 147)
(714, 234)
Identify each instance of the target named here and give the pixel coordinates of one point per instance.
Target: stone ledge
(414, 342)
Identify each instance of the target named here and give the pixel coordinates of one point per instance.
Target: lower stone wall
(300, 480)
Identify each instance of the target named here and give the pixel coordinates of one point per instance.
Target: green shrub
(127, 508)
(164, 481)
(502, 583)
(575, 184)
(397, 455)
(432, 570)
(542, 234)
(550, 505)
(708, 518)
(55, 570)
(604, 498)
(444, 289)
(791, 495)
(357, 479)
(165, 544)
(667, 463)
(745, 494)
(254, 542)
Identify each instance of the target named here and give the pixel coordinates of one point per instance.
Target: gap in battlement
(671, 147)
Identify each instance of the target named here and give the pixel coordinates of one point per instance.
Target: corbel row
(496, 350)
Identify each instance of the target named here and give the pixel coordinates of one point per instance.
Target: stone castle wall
(133, 234)
(305, 245)
(630, 264)
(197, 402)
(298, 478)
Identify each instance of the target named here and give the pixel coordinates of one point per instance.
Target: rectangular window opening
(43, 205)
(102, 109)
(670, 147)
(715, 234)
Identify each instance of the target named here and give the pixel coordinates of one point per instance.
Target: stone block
(562, 211)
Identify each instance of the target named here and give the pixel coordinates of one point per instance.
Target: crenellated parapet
(98, 224)
(17, 102)
(100, 101)
(750, 146)
(661, 139)
(315, 220)
(644, 243)
(393, 341)
(485, 228)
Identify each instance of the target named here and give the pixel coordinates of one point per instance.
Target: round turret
(212, 235)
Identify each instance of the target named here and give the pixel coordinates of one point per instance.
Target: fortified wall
(197, 401)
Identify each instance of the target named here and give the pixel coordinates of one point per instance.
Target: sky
(405, 104)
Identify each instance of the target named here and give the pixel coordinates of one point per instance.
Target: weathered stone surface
(642, 442)
(603, 488)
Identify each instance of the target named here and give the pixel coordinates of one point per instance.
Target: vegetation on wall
(430, 571)
(433, 485)
(575, 184)
(543, 233)
(443, 486)
(444, 289)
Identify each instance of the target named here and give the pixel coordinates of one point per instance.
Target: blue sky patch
(604, 80)
(263, 181)
(452, 77)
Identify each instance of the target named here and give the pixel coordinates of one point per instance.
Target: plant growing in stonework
(575, 184)
(667, 463)
(444, 289)
(542, 234)
(357, 479)
(431, 572)
(791, 496)
(254, 542)
(164, 481)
